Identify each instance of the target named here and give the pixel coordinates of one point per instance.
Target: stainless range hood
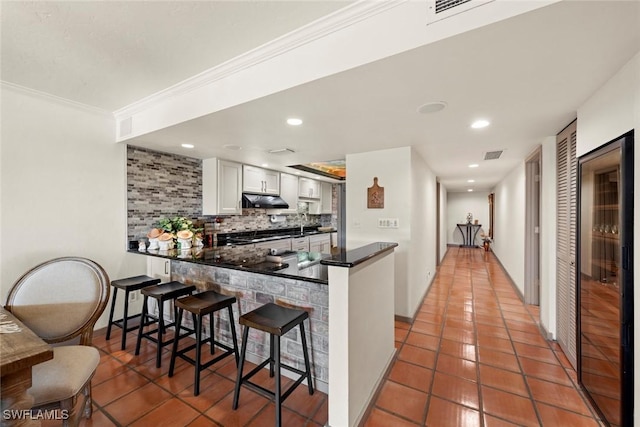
(263, 201)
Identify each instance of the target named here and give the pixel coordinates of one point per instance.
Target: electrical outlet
(133, 296)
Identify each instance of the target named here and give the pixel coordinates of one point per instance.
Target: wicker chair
(61, 300)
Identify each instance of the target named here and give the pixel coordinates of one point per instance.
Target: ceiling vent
(281, 151)
(493, 155)
(441, 9)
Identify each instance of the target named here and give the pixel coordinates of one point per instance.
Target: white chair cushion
(63, 376)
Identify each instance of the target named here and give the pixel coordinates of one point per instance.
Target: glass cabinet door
(605, 295)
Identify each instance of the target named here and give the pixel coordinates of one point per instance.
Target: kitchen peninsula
(349, 295)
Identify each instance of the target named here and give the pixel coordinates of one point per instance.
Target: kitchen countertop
(306, 267)
(359, 255)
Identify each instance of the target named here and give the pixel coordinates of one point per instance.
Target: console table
(469, 232)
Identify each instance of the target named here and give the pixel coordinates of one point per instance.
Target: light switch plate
(388, 223)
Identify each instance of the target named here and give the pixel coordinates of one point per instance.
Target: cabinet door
(260, 181)
(326, 198)
(271, 182)
(221, 187)
(252, 179)
(315, 247)
(289, 192)
(229, 188)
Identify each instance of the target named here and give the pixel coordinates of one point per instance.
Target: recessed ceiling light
(294, 122)
(264, 165)
(471, 180)
(470, 190)
(474, 165)
(478, 124)
(232, 147)
(432, 107)
(297, 173)
(187, 146)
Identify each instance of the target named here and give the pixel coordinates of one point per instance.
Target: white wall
(422, 254)
(610, 112)
(63, 188)
(458, 206)
(548, 230)
(410, 197)
(508, 236)
(444, 213)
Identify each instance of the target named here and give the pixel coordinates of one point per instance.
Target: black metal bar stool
(163, 292)
(200, 305)
(276, 321)
(128, 285)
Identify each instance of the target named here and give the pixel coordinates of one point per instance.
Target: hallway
(474, 356)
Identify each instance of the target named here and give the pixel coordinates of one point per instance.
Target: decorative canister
(165, 241)
(185, 238)
(153, 238)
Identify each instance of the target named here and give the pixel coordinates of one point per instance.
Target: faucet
(301, 216)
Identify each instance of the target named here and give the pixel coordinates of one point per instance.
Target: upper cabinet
(289, 192)
(221, 187)
(260, 181)
(308, 188)
(322, 206)
(326, 197)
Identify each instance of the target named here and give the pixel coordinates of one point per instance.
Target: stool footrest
(229, 351)
(266, 392)
(120, 323)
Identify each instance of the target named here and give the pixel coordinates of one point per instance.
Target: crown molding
(322, 27)
(55, 99)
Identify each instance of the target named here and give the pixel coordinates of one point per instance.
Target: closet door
(566, 242)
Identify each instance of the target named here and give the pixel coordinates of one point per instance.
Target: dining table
(20, 350)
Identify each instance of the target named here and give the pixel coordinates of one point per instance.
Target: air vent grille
(281, 151)
(442, 9)
(492, 155)
(442, 5)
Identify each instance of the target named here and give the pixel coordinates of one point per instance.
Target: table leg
(16, 401)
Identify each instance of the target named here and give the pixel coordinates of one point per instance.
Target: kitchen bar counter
(254, 260)
(357, 256)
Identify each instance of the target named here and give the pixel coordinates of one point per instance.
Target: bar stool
(200, 305)
(276, 321)
(161, 293)
(128, 285)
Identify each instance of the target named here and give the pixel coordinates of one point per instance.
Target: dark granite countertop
(358, 256)
(302, 266)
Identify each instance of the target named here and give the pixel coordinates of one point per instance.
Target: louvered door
(566, 242)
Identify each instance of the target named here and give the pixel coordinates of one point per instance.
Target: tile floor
(474, 356)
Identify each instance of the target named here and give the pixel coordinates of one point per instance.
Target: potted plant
(486, 241)
(180, 228)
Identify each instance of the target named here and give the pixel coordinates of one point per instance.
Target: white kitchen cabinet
(221, 187)
(289, 192)
(282, 244)
(260, 181)
(323, 206)
(320, 243)
(300, 244)
(326, 198)
(308, 188)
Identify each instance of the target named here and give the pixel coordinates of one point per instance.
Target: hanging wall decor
(375, 195)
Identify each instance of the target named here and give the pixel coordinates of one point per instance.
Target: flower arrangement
(181, 230)
(175, 224)
(486, 241)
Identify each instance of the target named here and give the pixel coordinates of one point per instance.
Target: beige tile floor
(474, 356)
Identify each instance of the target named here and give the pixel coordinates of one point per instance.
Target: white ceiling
(527, 75)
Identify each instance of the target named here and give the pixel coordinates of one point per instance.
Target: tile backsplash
(161, 185)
